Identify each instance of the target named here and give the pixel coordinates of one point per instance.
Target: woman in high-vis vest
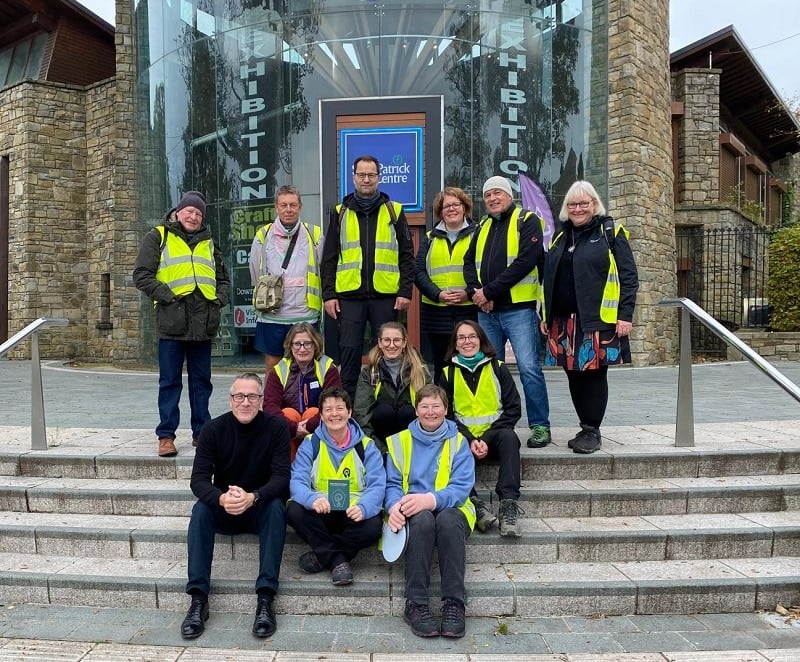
(440, 273)
(485, 404)
(294, 384)
(429, 474)
(388, 384)
(336, 523)
(590, 286)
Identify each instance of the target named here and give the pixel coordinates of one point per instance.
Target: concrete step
(558, 498)
(544, 540)
(494, 589)
(553, 463)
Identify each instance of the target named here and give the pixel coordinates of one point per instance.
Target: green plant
(753, 209)
(784, 279)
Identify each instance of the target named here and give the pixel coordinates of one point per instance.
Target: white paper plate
(393, 544)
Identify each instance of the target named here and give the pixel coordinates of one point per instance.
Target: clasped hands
(480, 300)
(236, 500)
(322, 506)
(409, 505)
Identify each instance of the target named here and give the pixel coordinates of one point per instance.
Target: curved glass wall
(230, 90)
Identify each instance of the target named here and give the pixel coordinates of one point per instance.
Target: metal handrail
(684, 417)
(38, 427)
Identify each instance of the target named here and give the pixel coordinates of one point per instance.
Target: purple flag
(533, 198)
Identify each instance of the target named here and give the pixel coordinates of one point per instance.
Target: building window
(22, 60)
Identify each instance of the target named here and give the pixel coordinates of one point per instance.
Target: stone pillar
(126, 303)
(698, 136)
(640, 164)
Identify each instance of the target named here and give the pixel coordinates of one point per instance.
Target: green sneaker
(540, 436)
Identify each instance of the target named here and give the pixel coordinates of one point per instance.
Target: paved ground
(727, 396)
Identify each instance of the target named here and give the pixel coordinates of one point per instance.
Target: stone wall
(640, 164)
(43, 132)
(698, 138)
(772, 345)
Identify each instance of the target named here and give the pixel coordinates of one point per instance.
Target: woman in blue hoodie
(429, 474)
(338, 449)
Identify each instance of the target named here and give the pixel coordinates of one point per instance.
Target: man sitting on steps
(241, 480)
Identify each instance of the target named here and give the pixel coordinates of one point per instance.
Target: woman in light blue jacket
(337, 450)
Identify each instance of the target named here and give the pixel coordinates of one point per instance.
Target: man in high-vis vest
(367, 267)
(503, 269)
(297, 245)
(182, 271)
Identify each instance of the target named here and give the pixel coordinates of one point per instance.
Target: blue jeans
(171, 355)
(265, 519)
(521, 327)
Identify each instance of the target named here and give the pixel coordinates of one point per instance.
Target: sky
(769, 28)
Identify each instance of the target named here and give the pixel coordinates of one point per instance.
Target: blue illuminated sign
(399, 151)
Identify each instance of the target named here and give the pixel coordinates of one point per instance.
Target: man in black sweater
(241, 480)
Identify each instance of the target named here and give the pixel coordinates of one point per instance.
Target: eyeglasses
(392, 341)
(470, 338)
(452, 205)
(367, 175)
(252, 398)
(302, 344)
(583, 204)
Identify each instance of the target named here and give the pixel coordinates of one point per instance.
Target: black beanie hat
(193, 199)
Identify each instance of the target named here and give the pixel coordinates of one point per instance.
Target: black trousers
(333, 537)
(589, 392)
(353, 317)
(447, 531)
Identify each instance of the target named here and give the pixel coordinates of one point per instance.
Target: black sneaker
(419, 617)
(588, 440)
(342, 574)
(453, 620)
(309, 563)
(485, 519)
(510, 526)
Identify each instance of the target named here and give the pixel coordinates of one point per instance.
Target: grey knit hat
(193, 199)
(498, 182)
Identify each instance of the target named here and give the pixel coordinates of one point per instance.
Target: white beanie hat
(498, 182)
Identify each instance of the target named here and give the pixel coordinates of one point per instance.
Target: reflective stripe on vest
(400, 446)
(609, 305)
(386, 277)
(528, 288)
(313, 282)
(446, 269)
(183, 269)
(351, 468)
(480, 409)
(321, 367)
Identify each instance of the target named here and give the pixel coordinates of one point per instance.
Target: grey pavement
(103, 397)
(641, 411)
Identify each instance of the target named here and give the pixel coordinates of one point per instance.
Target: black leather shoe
(264, 625)
(194, 623)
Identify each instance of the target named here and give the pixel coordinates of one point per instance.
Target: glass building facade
(231, 92)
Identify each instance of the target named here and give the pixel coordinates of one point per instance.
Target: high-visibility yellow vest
(611, 290)
(183, 269)
(386, 277)
(411, 391)
(480, 409)
(527, 289)
(321, 367)
(446, 269)
(400, 446)
(313, 283)
(351, 469)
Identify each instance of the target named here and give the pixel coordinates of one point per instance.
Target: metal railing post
(38, 428)
(684, 416)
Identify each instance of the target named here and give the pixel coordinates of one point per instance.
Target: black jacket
(191, 317)
(367, 225)
(497, 278)
(509, 396)
(590, 264)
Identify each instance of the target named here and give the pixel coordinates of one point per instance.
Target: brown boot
(166, 447)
